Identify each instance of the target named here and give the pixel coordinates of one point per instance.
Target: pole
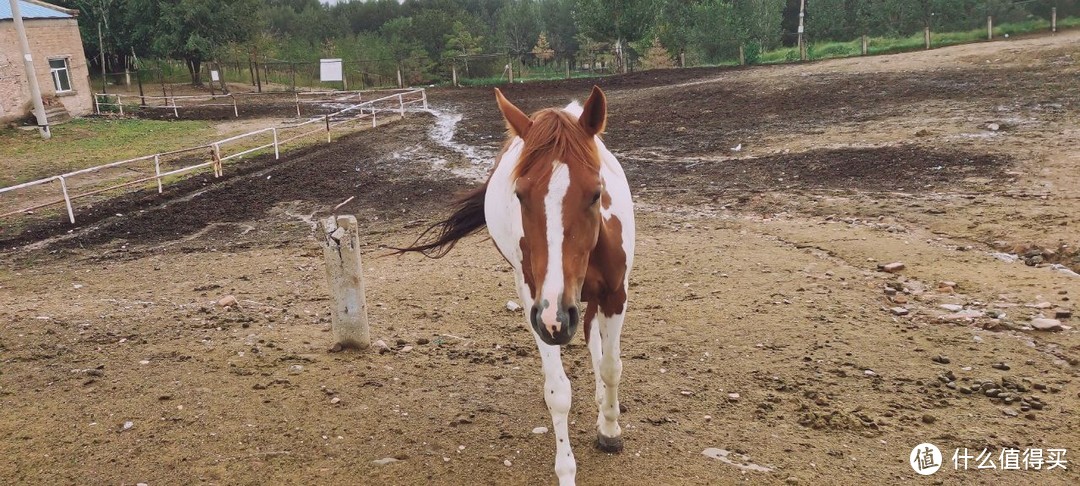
(28, 63)
(67, 199)
(989, 28)
(1053, 19)
(865, 44)
(138, 77)
(101, 47)
(802, 39)
(926, 36)
(345, 279)
(453, 73)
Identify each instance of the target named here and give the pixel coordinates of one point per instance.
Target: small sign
(214, 76)
(330, 70)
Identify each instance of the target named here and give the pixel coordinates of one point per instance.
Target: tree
(621, 21)
(542, 50)
(557, 19)
(518, 27)
(189, 30)
(462, 43)
(656, 57)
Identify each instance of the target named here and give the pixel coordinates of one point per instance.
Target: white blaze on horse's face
(559, 188)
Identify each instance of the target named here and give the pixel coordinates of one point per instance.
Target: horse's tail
(440, 238)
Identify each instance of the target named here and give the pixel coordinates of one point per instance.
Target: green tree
(621, 21)
(189, 30)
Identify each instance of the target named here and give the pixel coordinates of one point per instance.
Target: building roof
(31, 9)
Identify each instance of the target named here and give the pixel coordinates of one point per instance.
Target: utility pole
(28, 63)
(802, 38)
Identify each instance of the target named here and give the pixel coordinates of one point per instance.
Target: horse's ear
(594, 113)
(516, 120)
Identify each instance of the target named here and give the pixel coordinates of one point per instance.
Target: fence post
(327, 118)
(401, 102)
(742, 56)
(97, 108)
(172, 101)
(423, 92)
(277, 154)
(120, 104)
(865, 45)
(236, 112)
(400, 81)
(926, 36)
(373, 124)
(157, 171)
(67, 199)
(215, 152)
(297, 104)
(1053, 20)
(453, 72)
(345, 280)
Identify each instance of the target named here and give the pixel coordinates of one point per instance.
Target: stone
(507, 463)
(928, 419)
(899, 311)
(891, 267)
(335, 401)
(127, 425)
(422, 341)
(381, 346)
(952, 307)
(406, 349)
(946, 283)
(540, 430)
(386, 460)
(733, 397)
(940, 359)
(900, 299)
(993, 127)
(1010, 412)
(1000, 366)
(1062, 314)
(512, 306)
(1046, 324)
(227, 301)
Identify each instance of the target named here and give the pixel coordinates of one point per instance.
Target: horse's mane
(556, 135)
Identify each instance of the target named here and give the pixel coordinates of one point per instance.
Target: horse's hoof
(608, 444)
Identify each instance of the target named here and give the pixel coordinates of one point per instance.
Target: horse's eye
(596, 197)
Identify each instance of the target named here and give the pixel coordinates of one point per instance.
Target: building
(57, 50)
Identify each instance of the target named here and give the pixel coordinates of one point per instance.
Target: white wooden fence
(213, 155)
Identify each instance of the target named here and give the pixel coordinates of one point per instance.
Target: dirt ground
(759, 321)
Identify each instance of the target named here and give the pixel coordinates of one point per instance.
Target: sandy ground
(759, 321)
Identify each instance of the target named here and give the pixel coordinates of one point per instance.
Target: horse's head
(558, 184)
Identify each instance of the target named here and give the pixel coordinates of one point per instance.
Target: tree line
(427, 38)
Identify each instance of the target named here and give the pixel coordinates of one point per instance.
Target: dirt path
(759, 323)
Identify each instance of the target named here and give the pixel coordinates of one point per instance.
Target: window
(59, 70)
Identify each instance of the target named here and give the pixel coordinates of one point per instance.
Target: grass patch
(82, 143)
(914, 42)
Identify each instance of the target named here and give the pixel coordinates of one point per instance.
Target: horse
(559, 209)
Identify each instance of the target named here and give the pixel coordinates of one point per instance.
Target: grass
(82, 143)
(914, 42)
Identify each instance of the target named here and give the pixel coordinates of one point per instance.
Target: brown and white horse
(558, 207)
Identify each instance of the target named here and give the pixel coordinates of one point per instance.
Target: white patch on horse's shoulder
(574, 108)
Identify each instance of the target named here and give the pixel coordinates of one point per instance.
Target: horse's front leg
(609, 372)
(556, 394)
(557, 397)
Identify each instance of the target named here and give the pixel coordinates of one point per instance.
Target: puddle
(478, 161)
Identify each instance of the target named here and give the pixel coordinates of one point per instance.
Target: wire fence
(149, 171)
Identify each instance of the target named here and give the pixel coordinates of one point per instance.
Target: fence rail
(177, 162)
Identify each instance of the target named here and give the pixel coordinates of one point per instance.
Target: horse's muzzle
(567, 317)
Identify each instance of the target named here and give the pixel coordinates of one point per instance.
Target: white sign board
(214, 76)
(330, 70)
